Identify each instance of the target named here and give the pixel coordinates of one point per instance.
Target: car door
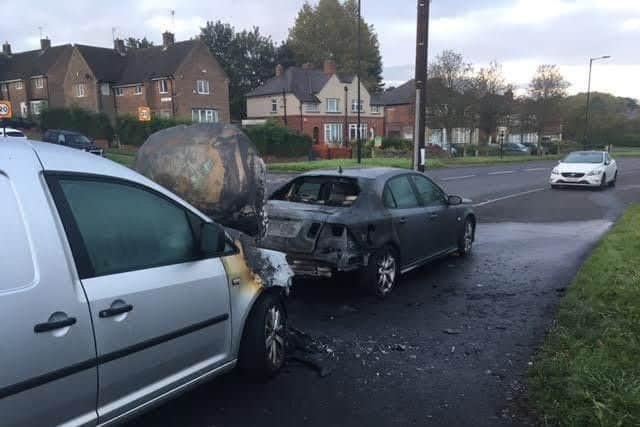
(160, 311)
(440, 217)
(48, 373)
(407, 217)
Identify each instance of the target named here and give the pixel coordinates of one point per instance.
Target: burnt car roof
(367, 173)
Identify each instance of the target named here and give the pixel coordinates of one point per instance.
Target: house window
(375, 109)
(354, 106)
(24, 110)
(137, 90)
(311, 107)
(353, 127)
(105, 89)
(165, 114)
(274, 105)
(78, 88)
(202, 87)
(38, 83)
(37, 106)
(19, 85)
(332, 132)
(333, 105)
(205, 115)
(119, 91)
(162, 86)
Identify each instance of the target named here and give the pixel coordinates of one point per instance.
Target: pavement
(452, 344)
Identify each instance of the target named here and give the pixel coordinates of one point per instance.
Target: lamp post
(586, 118)
(422, 54)
(358, 136)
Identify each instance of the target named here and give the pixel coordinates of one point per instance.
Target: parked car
(585, 168)
(514, 149)
(115, 294)
(534, 149)
(11, 133)
(378, 222)
(71, 139)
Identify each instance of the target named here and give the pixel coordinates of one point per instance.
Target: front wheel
(465, 241)
(382, 273)
(603, 182)
(263, 349)
(613, 181)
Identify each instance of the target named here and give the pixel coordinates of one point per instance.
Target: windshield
(320, 190)
(583, 157)
(78, 139)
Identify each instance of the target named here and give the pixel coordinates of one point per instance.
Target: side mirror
(212, 239)
(454, 200)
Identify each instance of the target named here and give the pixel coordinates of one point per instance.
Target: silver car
(116, 295)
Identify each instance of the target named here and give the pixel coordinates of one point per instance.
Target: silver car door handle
(114, 311)
(402, 220)
(52, 325)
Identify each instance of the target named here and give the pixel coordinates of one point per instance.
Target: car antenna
(340, 169)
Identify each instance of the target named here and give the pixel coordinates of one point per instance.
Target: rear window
(15, 133)
(320, 190)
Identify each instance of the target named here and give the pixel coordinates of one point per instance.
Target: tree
(329, 30)
(493, 96)
(248, 57)
(546, 90)
(135, 43)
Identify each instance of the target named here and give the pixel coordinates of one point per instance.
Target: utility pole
(586, 118)
(358, 136)
(422, 52)
(284, 100)
(345, 131)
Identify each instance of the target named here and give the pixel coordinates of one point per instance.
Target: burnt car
(378, 222)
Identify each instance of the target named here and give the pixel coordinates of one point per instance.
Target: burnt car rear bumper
(326, 265)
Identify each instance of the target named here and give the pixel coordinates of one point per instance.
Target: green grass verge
(123, 158)
(588, 370)
(626, 152)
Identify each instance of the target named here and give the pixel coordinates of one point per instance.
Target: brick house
(399, 110)
(319, 103)
(177, 79)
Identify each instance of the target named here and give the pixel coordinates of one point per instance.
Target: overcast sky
(520, 34)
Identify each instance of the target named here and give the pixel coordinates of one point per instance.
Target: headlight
(595, 172)
(555, 171)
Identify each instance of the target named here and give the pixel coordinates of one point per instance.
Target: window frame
(163, 87)
(19, 85)
(337, 102)
(104, 86)
(206, 89)
(79, 90)
(38, 83)
(119, 91)
(333, 126)
(84, 266)
(274, 106)
(137, 90)
(354, 105)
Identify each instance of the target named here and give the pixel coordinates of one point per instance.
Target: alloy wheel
(386, 273)
(468, 237)
(274, 335)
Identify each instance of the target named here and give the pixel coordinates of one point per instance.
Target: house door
(316, 135)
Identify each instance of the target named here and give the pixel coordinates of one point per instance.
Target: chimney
(330, 67)
(118, 45)
(6, 48)
(307, 66)
(279, 70)
(167, 39)
(45, 43)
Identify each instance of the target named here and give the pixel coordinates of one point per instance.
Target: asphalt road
(452, 344)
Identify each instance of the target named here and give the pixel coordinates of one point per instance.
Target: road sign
(5, 110)
(144, 114)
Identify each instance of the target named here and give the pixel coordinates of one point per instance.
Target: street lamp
(586, 119)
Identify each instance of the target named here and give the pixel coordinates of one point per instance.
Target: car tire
(555, 186)
(614, 180)
(263, 347)
(466, 238)
(382, 273)
(603, 181)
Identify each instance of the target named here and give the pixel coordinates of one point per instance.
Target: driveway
(452, 344)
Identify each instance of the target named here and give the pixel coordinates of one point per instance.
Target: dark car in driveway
(378, 222)
(71, 139)
(515, 149)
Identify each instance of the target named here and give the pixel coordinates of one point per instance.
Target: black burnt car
(71, 139)
(379, 222)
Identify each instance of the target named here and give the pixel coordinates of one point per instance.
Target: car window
(61, 139)
(402, 193)
(15, 133)
(16, 261)
(429, 193)
(126, 228)
(583, 157)
(321, 190)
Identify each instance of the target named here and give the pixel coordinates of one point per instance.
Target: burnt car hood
(295, 227)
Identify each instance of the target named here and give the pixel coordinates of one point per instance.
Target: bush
(275, 139)
(397, 143)
(130, 131)
(93, 125)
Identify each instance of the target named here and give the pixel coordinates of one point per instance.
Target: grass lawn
(625, 152)
(119, 156)
(588, 370)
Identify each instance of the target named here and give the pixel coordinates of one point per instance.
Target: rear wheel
(465, 241)
(262, 350)
(382, 273)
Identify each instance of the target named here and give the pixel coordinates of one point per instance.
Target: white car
(585, 168)
(11, 133)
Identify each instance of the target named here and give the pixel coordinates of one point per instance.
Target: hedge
(397, 143)
(93, 125)
(130, 131)
(275, 139)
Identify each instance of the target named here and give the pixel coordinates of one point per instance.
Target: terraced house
(320, 103)
(177, 79)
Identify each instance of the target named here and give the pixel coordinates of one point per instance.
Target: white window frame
(311, 107)
(36, 107)
(205, 115)
(79, 90)
(202, 87)
(162, 86)
(19, 85)
(354, 105)
(137, 90)
(333, 101)
(119, 91)
(353, 127)
(333, 133)
(274, 106)
(38, 83)
(375, 109)
(105, 89)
